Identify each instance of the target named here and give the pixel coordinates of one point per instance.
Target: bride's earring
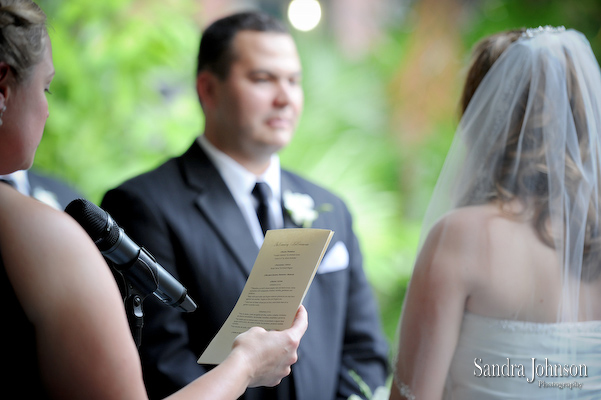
(2, 114)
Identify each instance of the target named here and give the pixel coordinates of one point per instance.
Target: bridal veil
(529, 146)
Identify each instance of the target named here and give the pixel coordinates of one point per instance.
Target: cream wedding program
(276, 287)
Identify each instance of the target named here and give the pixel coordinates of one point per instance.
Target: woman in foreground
(505, 297)
(68, 335)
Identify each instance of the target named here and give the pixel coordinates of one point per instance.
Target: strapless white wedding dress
(494, 360)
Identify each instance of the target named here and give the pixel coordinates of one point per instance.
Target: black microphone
(131, 260)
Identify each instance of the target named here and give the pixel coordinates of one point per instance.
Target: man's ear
(5, 79)
(206, 88)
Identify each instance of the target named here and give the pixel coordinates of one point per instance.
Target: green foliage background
(123, 101)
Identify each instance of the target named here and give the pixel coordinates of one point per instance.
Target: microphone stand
(135, 313)
(133, 299)
(139, 282)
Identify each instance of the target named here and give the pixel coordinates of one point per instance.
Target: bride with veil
(505, 297)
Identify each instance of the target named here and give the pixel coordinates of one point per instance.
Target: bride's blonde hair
(484, 54)
(525, 146)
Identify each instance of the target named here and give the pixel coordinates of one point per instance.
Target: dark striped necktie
(261, 193)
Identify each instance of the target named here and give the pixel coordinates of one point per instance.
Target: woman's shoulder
(465, 239)
(469, 221)
(25, 218)
(475, 214)
(479, 221)
(43, 250)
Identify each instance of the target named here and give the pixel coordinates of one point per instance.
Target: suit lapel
(218, 206)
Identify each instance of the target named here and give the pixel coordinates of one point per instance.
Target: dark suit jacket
(183, 213)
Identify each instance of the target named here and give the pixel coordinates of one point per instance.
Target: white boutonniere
(381, 392)
(301, 208)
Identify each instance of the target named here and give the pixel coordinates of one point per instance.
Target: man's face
(258, 105)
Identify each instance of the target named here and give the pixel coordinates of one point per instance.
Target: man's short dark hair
(216, 53)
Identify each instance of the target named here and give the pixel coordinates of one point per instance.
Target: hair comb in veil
(531, 32)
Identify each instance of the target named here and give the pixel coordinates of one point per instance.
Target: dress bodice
(502, 359)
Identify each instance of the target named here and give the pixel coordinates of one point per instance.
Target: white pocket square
(335, 260)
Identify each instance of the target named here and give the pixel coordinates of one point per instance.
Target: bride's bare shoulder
(467, 237)
(470, 221)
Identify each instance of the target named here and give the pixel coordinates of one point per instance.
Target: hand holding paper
(276, 287)
(271, 353)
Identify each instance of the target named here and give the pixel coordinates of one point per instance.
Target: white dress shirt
(241, 182)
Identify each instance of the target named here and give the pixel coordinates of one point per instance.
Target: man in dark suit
(197, 215)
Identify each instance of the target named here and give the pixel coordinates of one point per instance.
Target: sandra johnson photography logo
(536, 370)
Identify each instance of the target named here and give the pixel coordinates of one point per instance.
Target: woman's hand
(269, 354)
